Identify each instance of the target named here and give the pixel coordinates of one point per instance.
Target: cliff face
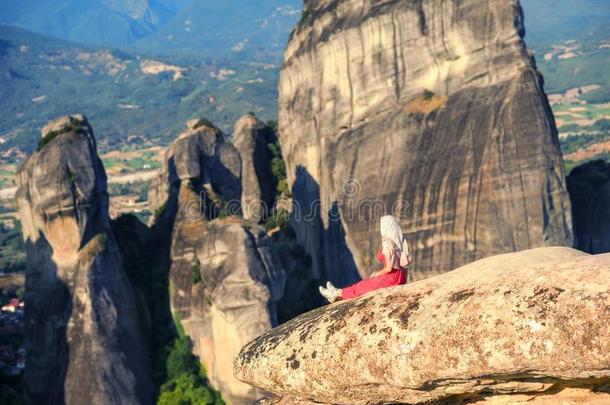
(225, 283)
(224, 277)
(251, 138)
(520, 327)
(431, 110)
(589, 186)
(81, 330)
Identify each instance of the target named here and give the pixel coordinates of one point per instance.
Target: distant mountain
(106, 22)
(252, 28)
(255, 27)
(550, 21)
(127, 97)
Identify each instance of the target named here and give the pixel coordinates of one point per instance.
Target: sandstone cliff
(224, 277)
(520, 327)
(589, 186)
(81, 330)
(251, 138)
(432, 108)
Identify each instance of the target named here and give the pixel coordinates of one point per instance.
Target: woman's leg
(370, 284)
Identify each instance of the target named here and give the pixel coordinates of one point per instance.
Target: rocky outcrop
(203, 157)
(431, 110)
(251, 138)
(225, 283)
(589, 187)
(224, 277)
(529, 326)
(81, 330)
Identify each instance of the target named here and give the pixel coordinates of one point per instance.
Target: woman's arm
(386, 269)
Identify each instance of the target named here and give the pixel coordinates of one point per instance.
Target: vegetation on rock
(280, 217)
(428, 95)
(426, 103)
(204, 122)
(278, 168)
(160, 210)
(49, 136)
(95, 246)
(305, 13)
(196, 268)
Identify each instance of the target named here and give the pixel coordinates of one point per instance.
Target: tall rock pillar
(82, 336)
(431, 110)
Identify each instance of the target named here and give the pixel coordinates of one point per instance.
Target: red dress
(397, 276)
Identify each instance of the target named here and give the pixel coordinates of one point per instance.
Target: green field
(147, 161)
(579, 115)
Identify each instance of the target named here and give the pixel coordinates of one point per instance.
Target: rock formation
(224, 277)
(528, 326)
(251, 138)
(81, 330)
(431, 110)
(225, 281)
(203, 157)
(589, 187)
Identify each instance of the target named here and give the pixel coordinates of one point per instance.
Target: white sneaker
(334, 290)
(330, 295)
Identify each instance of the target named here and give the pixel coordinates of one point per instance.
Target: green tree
(602, 125)
(187, 389)
(278, 167)
(181, 359)
(186, 379)
(428, 95)
(196, 270)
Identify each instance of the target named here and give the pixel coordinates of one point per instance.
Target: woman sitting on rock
(395, 257)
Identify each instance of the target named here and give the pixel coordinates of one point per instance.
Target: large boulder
(82, 337)
(589, 187)
(523, 326)
(252, 138)
(224, 277)
(432, 110)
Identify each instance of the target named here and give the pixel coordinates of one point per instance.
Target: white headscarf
(390, 230)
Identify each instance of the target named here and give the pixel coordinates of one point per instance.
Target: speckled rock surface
(519, 325)
(224, 277)
(251, 138)
(81, 330)
(435, 110)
